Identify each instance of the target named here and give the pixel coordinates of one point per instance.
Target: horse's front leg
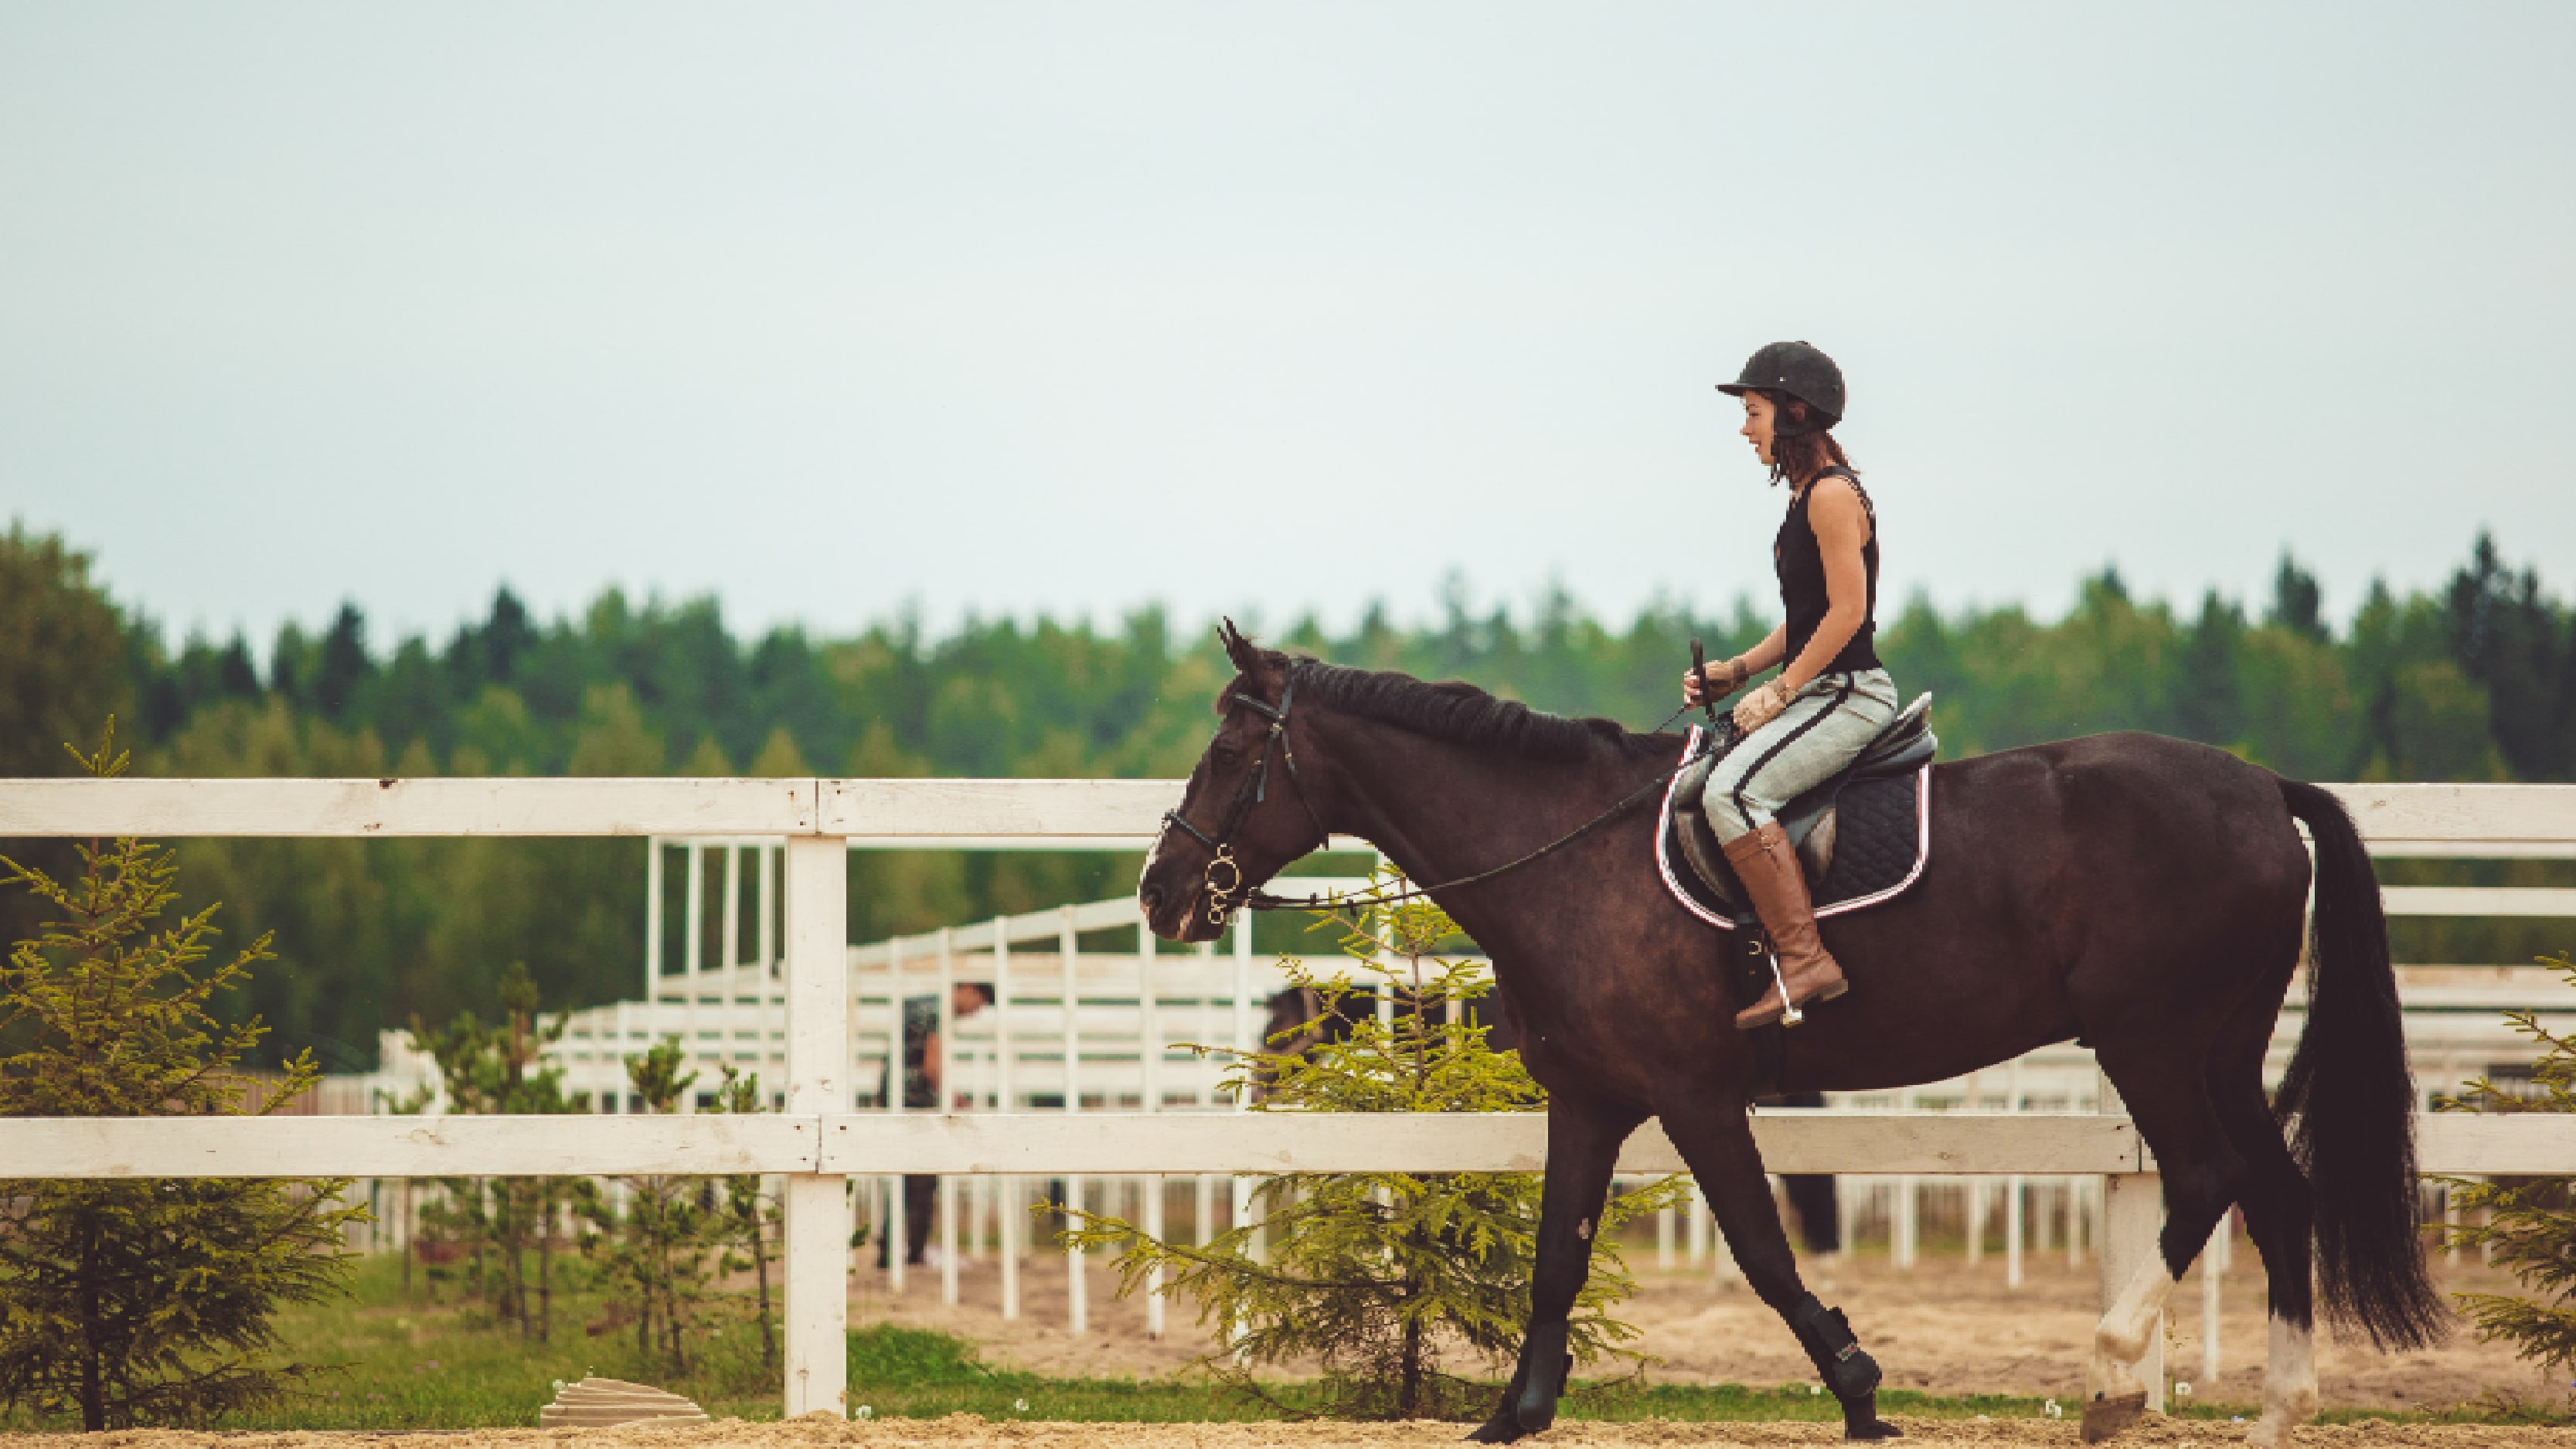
(1582, 1148)
(1715, 1137)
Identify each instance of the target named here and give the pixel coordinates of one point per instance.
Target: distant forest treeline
(2477, 682)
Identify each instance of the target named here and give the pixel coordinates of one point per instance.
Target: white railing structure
(818, 1140)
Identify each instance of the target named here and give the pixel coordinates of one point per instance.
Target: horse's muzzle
(1176, 917)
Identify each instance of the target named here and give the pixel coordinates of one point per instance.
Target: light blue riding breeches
(1833, 719)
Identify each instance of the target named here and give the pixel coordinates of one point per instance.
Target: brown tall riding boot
(1764, 861)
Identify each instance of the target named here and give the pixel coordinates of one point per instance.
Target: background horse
(2143, 894)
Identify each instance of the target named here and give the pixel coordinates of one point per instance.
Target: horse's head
(1246, 813)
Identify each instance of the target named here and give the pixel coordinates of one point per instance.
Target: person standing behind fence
(925, 1076)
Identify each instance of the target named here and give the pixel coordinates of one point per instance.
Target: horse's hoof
(1533, 1409)
(1500, 1429)
(1534, 1418)
(2104, 1416)
(1874, 1429)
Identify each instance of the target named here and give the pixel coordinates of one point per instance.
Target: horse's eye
(1224, 754)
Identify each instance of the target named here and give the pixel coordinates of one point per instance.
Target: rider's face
(1757, 425)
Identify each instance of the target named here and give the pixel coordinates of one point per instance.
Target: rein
(1264, 901)
(1222, 898)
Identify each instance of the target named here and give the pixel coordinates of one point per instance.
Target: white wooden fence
(817, 1142)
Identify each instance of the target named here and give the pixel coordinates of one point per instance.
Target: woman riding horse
(1833, 697)
(2145, 896)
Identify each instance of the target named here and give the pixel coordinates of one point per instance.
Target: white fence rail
(816, 1143)
(1101, 1144)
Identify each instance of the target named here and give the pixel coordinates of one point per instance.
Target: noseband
(1254, 790)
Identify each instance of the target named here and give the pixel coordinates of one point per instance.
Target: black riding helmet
(1797, 369)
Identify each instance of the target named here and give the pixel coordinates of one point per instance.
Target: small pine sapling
(2529, 1223)
(129, 1302)
(750, 1215)
(659, 1254)
(501, 1070)
(1394, 1285)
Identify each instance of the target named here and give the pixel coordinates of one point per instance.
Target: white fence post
(818, 1066)
(765, 936)
(2015, 1199)
(1149, 1028)
(2213, 1277)
(1010, 1221)
(730, 955)
(948, 1055)
(2133, 1215)
(1077, 1305)
(652, 918)
(1902, 1220)
(894, 1227)
(2012, 1231)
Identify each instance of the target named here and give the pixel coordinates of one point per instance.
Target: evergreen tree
(63, 645)
(138, 1302)
(508, 636)
(288, 677)
(2529, 1222)
(2209, 703)
(2298, 605)
(63, 656)
(235, 676)
(2516, 643)
(344, 666)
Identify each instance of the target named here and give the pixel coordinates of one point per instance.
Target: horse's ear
(1245, 655)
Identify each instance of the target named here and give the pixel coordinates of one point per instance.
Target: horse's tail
(2354, 1101)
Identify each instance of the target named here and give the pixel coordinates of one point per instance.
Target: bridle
(1253, 791)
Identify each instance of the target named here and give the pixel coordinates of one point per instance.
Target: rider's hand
(1721, 680)
(1761, 706)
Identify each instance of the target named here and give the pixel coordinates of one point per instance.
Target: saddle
(1861, 835)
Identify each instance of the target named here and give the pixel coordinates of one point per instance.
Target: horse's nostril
(1150, 897)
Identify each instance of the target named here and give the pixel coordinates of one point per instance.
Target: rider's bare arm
(1842, 526)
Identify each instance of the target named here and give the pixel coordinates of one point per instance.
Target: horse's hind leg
(2167, 1095)
(1582, 1149)
(2279, 1218)
(1716, 1139)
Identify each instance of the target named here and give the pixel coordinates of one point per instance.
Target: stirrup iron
(1790, 1015)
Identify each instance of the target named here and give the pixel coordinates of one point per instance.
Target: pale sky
(829, 308)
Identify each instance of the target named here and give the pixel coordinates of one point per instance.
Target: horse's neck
(1440, 811)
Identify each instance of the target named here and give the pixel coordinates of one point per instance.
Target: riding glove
(1714, 681)
(1762, 706)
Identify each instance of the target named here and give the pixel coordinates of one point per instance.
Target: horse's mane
(1458, 712)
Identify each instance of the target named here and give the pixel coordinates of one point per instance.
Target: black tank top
(1800, 561)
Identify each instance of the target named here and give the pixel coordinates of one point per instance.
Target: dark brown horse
(2141, 893)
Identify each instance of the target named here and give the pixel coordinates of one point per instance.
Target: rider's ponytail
(1802, 441)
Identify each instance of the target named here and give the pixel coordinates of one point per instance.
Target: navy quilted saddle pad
(1862, 836)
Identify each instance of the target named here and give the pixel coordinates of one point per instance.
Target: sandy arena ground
(1941, 1326)
(966, 1432)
